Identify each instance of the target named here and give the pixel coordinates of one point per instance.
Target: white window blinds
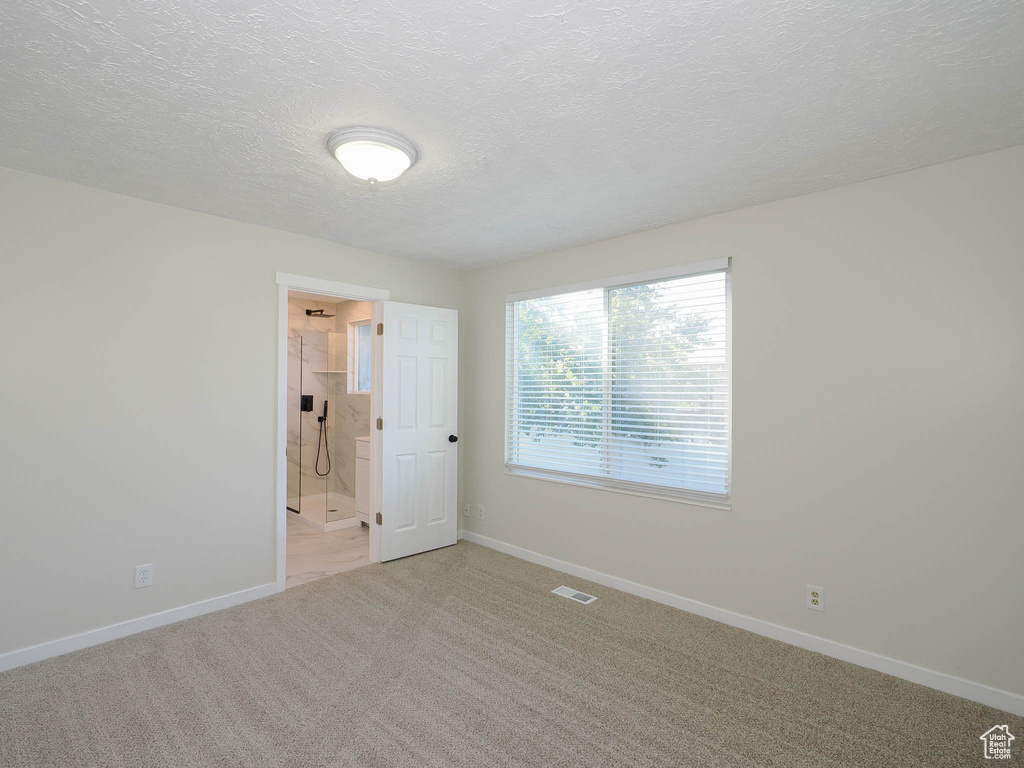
(624, 386)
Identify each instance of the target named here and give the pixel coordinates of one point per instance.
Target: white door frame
(341, 291)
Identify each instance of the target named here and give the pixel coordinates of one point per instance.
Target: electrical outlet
(479, 511)
(815, 598)
(466, 510)
(143, 576)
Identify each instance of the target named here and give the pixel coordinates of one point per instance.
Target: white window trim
(353, 357)
(664, 493)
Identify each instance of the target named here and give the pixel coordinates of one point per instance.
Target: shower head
(317, 313)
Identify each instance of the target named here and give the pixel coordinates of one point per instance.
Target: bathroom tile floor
(312, 555)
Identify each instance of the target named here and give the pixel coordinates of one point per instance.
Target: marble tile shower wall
(352, 411)
(314, 357)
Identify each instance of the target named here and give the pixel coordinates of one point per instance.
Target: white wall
(138, 399)
(878, 420)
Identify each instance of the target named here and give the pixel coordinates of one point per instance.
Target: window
(624, 384)
(359, 346)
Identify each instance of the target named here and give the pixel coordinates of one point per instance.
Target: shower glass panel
(340, 501)
(294, 448)
(315, 432)
(316, 463)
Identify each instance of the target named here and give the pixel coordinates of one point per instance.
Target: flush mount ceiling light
(371, 154)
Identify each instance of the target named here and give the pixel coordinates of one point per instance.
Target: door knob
(453, 439)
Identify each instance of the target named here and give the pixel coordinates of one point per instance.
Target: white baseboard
(32, 654)
(993, 697)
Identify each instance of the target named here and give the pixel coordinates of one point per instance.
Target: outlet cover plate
(143, 576)
(815, 598)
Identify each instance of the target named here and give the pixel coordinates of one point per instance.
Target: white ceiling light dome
(372, 154)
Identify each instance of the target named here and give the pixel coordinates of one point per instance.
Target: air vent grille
(572, 594)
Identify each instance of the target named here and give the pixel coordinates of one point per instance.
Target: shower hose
(322, 441)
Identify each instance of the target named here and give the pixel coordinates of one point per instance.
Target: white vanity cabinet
(363, 479)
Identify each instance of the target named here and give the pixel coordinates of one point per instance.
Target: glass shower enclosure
(316, 385)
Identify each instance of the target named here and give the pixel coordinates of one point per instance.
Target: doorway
(328, 391)
(403, 483)
(330, 375)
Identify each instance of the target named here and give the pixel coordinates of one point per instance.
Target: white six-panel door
(420, 412)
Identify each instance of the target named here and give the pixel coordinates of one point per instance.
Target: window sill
(678, 495)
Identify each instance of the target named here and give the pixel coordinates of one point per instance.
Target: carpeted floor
(462, 657)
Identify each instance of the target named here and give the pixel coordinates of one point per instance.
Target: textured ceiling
(540, 124)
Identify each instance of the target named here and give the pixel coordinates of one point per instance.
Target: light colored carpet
(462, 657)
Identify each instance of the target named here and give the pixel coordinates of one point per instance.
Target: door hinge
(380, 519)
(380, 423)
(380, 329)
